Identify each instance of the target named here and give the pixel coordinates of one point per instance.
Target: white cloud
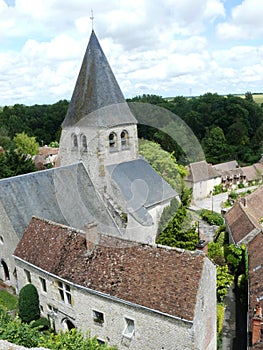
(165, 47)
(245, 21)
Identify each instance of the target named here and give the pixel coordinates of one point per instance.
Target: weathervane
(92, 18)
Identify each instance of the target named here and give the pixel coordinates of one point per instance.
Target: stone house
(127, 293)
(244, 224)
(202, 178)
(231, 174)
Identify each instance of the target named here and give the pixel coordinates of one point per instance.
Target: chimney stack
(256, 325)
(92, 236)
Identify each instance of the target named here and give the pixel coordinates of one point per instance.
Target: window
(43, 284)
(98, 317)
(84, 143)
(52, 310)
(129, 329)
(113, 142)
(124, 140)
(28, 275)
(74, 142)
(64, 292)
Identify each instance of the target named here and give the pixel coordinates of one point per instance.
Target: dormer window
(113, 142)
(84, 143)
(124, 140)
(74, 142)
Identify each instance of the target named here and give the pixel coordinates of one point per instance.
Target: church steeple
(95, 89)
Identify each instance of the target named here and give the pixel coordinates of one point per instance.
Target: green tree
(180, 232)
(26, 144)
(13, 163)
(163, 162)
(215, 145)
(28, 303)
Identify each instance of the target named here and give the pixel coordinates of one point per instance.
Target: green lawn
(8, 300)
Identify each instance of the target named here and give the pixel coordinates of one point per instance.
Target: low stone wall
(5, 345)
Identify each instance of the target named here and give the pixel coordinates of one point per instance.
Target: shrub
(223, 282)
(218, 189)
(42, 324)
(28, 303)
(212, 217)
(216, 253)
(220, 310)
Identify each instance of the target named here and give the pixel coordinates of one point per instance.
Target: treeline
(41, 121)
(227, 127)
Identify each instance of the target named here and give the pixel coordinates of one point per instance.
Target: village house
(202, 179)
(84, 232)
(244, 224)
(128, 294)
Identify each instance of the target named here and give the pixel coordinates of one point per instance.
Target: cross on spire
(92, 18)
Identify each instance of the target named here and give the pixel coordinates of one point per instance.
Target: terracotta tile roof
(250, 172)
(46, 151)
(201, 171)
(160, 278)
(239, 222)
(227, 166)
(243, 219)
(255, 204)
(255, 262)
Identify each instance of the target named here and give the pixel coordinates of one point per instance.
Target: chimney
(256, 325)
(92, 236)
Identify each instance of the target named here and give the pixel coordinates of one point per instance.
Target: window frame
(65, 292)
(98, 317)
(28, 276)
(129, 323)
(43, 283)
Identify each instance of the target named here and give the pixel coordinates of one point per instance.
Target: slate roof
(65, 195)
(161, 278)
(97, 99)
(201, 171)
(141, 187)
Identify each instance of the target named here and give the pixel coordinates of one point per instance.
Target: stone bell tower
(99, 128)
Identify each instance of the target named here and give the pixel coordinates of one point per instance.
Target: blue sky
(168, 47)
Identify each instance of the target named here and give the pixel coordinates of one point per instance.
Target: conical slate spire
(97, 99)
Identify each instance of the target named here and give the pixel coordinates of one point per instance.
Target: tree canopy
(228, 127)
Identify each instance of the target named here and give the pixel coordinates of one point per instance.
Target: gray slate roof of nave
(141, 187)
(64, 195)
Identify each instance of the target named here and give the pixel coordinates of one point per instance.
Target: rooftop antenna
(92, 18)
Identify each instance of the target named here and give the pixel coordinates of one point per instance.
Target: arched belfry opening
(113, 142)
(84, 145)
(124, 140)
(74, 141)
